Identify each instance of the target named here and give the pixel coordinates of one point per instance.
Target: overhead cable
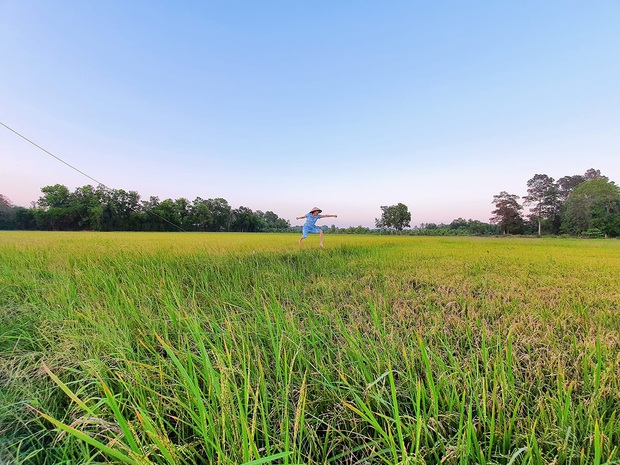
(79, 171)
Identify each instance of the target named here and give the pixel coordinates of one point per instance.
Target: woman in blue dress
(310, 224)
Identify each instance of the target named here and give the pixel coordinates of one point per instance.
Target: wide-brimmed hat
(316, 209)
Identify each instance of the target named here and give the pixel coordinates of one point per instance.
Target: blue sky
(284, 105)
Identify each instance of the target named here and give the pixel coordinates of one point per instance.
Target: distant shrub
(594, 233)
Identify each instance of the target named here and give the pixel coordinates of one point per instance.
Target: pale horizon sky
(282, 106)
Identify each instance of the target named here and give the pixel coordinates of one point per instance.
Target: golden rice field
(183, 348)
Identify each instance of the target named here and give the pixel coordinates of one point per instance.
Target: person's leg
(304, 234)
(321, 239)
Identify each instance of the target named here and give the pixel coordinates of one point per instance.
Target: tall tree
(5, 202)
(222, 214)
(201, 215)
(119, 209)
(394, 217)
(594, 174)
(566, 184)
(183, 208)
(593, 204)
(168, 214)
(269, 221)
(147, 216)
(54, 205)
(507, 213)
(6, 213)
(244, 220)
(542, 196)
(86, 205)
(56, 196)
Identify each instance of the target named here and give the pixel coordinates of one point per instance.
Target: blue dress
(310, 225)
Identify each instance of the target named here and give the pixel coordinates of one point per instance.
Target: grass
(241, 348)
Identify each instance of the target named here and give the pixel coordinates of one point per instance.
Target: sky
(287, 105)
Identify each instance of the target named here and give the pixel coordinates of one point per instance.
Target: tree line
(102, 209)
(578, 205)
(585, 205)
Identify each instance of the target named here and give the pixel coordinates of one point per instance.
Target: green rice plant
(240, 348)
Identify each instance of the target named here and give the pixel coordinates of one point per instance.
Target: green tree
(542, 196)
(458, 223)
(54, 208)
(592, 173)
(56, 196)
(118, 210)
(168, 215)
(148, 219)
(222, 214)
(5, 203)
(183, 211)
(206, 215)
(566, 184)
(269, 221)
(464, 227)
(507, 213)
(25, 218)
(593, 204)
(7, 213)
(201, 215)
(244, 220)
(86, 207)
(394, 217)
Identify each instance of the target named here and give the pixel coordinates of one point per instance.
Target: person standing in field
(310, 224)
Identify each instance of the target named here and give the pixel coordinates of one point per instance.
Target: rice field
(183, 348)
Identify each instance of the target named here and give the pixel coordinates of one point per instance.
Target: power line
(82, 172)
(51, 154)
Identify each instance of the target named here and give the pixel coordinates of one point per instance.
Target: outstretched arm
(329, 216)
(299, 217)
